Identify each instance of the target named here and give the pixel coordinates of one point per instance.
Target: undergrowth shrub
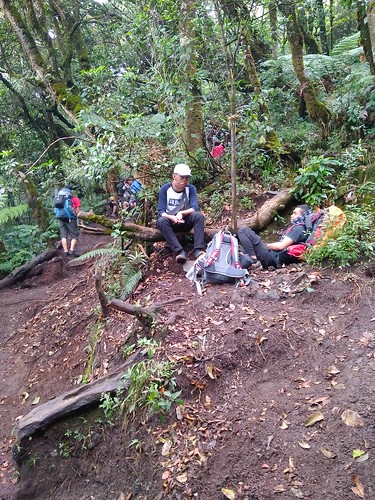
(312, 184)
(356, 241)
(152, 387)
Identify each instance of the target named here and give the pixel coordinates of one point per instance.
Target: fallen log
(82, 397)
(142, 233)
(21, 272)
(268, 210)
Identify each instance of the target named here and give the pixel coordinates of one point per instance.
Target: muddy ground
(277, 383)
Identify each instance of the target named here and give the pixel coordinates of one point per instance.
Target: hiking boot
(72, 253)
(198, 253)
(256, 265)
(66, 254)
(181, 258)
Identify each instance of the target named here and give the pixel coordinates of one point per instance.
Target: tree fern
(346, 44)
(10, 213)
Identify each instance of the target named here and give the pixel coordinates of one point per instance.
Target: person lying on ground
(272, 254)
(178, 211)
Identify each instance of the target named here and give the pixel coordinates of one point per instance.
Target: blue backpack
(63, 205)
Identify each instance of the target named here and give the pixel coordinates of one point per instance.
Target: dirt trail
(255, 364)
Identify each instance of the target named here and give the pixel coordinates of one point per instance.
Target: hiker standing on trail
(178, 210)
(69, 227)
(272, 254)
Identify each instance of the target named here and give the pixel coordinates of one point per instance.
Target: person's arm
(280, 245)
(293, 236)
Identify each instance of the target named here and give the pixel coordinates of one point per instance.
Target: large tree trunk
(316, 109)
(53, 71)
(371, 29)
(322, 26)
(193, 107)
(365, 23)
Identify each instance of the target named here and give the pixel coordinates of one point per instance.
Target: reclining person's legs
(253, 245)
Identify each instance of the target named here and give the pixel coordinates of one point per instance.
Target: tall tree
(366, 27)
(193, 108)
(316, 109)
(371, 28)
(322, 26)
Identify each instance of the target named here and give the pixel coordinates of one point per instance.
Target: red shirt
(217, 151)
(76, 203)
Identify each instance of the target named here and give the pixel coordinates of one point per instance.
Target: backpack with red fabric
(320, 226)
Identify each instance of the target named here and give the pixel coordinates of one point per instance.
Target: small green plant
(111, 404)
(96, 331)
(77, 435)
(312, 184)
(152, 387)
(136, 444)
(33, 459)
(64, 449)
(356, 240)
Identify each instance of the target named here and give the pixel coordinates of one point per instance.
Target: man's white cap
(182, 169)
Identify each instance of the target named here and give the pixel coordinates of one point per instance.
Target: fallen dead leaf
(328, 453)
(165, 474)
(36, 400)
(166, 447)
(358, 489)
(304, 445)
(352, 418)
(211, 371)
(283, 425)
(228, 493)
(332, 370)
(361, 458)
(279, 488)
(182, 478)
(315, 417)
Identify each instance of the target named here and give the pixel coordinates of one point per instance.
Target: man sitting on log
(272, 254)
(178, 211)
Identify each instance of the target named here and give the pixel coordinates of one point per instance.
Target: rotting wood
(21, 272)
(82, 397)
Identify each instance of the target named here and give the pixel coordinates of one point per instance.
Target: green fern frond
(346, 44)
(100, 252)
(130, 281)
(137, 259)
(10, 213)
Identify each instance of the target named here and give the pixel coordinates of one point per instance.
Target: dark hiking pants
(192, 221)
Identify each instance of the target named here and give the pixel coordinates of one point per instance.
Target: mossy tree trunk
(39, 212)
(322, 26)
(193, 109)
(50, 60)
(272, 12)
(317, 110)
(371, 28)
(366, 24)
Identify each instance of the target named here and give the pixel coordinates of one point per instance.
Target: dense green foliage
(112, 98)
